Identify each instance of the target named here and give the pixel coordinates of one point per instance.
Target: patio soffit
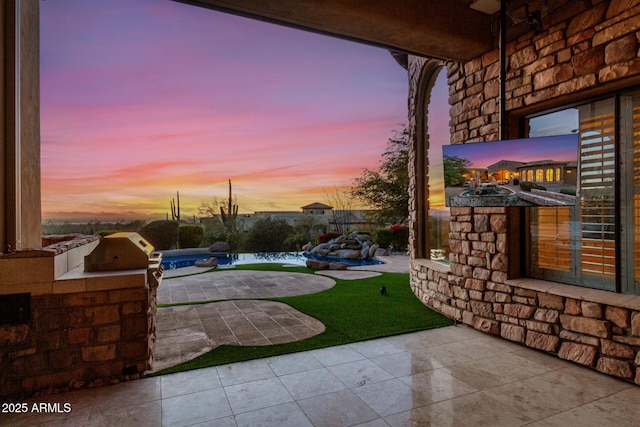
(433, 28)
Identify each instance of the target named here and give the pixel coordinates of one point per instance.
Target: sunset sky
(140, 99)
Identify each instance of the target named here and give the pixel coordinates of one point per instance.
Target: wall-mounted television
(540, 171)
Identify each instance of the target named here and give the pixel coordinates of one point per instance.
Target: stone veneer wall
(84, 331)
(78, 340)
(584, 48)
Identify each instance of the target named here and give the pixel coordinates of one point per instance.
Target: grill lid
(119, 251)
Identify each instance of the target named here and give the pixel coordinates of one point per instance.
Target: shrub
(309, 226)
(295, 241)
(161, 234)
(190, 235)
(528, 186)
(569, 191)
(384, 237)
(325, 237)
(212, 236)
(103, 233)
(214, 231)
(516, 181)
(400, 237)
(268, 235)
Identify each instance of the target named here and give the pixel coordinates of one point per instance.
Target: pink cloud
(140, 99)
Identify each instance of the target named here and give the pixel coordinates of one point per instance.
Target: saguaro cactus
(175, 208)
(230, 215)
(175, 214)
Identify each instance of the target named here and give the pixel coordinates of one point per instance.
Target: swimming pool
(173, 259)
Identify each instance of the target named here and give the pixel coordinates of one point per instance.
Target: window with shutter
(596, 243)
(630, 192)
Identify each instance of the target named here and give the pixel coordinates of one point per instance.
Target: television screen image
(539, 171)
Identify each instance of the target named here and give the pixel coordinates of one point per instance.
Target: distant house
(323, 213)
(549, 172)
(316, 209)
(325, 216)
(504, 170)
(540, 171)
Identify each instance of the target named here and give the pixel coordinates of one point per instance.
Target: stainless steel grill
(121, 251)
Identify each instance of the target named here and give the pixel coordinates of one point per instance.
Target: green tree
(387, 189)
(454, 170)
(309, 227)
(269, 235)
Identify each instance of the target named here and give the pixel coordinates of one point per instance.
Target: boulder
(337, 266)
(209, 262)
(364, 252)
(307, 247)
(348, 253)
(355, 246)
(317, 265)
(373, 249)
(320, 247)
(360, 237)
(381, 252)
(219, 247)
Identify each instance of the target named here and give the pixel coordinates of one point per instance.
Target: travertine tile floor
(453, 376)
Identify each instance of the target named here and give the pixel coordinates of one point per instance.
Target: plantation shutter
(636, 193)
(552, 238)
(597, 194)
(630, 175)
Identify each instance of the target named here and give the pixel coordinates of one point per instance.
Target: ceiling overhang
(446, 29)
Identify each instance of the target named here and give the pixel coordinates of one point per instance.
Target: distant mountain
(99, 216)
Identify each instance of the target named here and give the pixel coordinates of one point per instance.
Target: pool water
(178, 261)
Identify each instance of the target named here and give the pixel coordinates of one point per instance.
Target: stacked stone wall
(78, 340)
(583, 48)
(602, 336)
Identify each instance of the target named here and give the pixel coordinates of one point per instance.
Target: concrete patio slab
(185, 332)
(239, 284)
(348, 274)
(167, 274)
(188, 331)
(392, 264)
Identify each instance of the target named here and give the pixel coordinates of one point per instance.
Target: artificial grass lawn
(353, 310)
